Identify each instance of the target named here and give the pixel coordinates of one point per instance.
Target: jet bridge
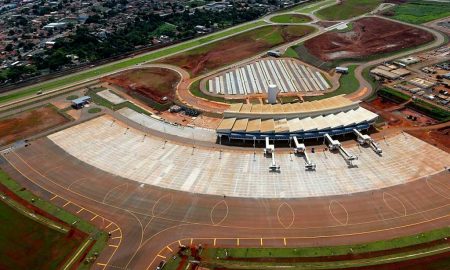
(364, 139)
(336, 145)
(270, 148)
(274, 166)
(301, 149)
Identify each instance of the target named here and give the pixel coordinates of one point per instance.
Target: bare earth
(29, 123)
(369, 36)
(153, 83)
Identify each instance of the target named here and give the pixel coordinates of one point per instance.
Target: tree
(57, 59)
(9, 47)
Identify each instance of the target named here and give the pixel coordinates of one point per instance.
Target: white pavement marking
(236, 174)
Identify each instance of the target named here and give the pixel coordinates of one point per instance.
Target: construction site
(237, 154)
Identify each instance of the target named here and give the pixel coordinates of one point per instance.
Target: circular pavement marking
(285, 215)
(113, 189)
(439, 188)
(338, 212)
(162, 205)
(394, 204)
(219, 212)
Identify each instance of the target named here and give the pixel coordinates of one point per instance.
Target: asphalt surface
(149, 218)
(148, 223)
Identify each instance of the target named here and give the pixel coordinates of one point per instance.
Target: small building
(384, 73)
(401, 71)
(424, 84)
(80, 102)
(342, 70)
(409, 60)
(274, 53)
(56, 25)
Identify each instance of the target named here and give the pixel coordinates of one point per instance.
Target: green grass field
(94, 110)
(105, 103)
(347, 85)
(290, 52)
(28, 244)
(314, 6)
(347, 9)
(52, 248)
(418, 12)
(212, 56)
(290, 18)
(70, 79)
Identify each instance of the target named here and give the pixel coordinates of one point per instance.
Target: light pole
(193, 143)
(220, 148)
(254, 148)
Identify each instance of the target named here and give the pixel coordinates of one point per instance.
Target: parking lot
(254, 78)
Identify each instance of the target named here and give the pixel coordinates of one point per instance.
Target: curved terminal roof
(279, 111)
(292, 125)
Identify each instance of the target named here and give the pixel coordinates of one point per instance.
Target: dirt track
(152, 82)
(369, 36)
(150, 218)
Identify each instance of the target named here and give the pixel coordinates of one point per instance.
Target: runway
(148, 222)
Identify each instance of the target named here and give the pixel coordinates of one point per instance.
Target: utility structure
(364, 139)
(300, 149)
(269, 149)
(336, 145)
(272, 93)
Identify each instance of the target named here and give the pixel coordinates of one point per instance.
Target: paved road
(152, 220)
(148, 223)
(439, 41)
(94, 78)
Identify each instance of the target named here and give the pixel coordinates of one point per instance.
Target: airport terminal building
(308, 120)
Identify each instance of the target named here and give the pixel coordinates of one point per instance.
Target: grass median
(347, 9)
(373, 253)
(347, 84)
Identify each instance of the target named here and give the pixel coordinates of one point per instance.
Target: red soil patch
(153, 83)
(29, 123)
(421, 120)
(439, 138)
(382, 104)
(369, 36)
(397, 115)
(230, 50)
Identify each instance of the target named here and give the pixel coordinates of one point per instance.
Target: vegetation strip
(424, 107)
(418, 12)
(100, 237)
(103, 70)
(315, 6)
(38, 218)
(348, 9)
(347, 84)
(290, 18)
(236, 48)
(77, 255)
(395, 250)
